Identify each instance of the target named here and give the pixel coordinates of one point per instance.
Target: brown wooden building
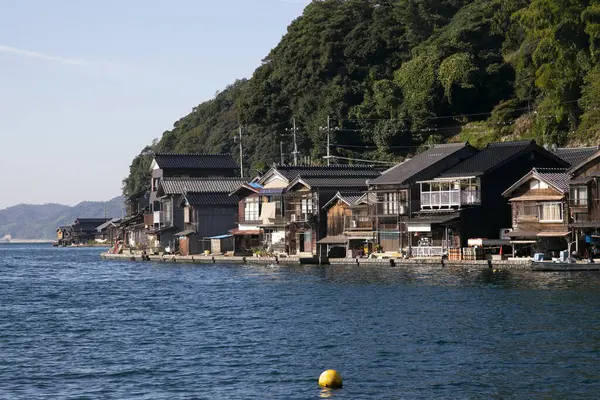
(584, 203)
(349, 228)
(540, 212)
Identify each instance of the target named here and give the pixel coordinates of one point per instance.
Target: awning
(523, 242)
(522, 234)
(433, 218)
(187, 232)
(553, 234)
(334, 240)
(237, 232)
(538, 198)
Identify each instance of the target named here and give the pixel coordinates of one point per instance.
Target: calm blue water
(75, 327)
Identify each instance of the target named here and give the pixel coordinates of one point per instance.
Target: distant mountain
(26, 221)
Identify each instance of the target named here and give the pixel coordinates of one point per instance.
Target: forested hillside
(396, 75)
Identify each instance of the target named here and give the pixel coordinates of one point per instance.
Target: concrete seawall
(210, 259)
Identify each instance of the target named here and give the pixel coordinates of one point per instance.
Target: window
(579, 195)
(390, 203)
(307, 206)
(550, 212)
(251, 209)
(167, 211)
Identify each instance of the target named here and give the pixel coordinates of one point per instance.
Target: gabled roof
(91, 221)
(332, 183)
(178, 185)
(585, 162)
(575, 155)
(495, 155)
(245, 187)
(404, 172)
(105, 225)
(349, 198)
(555, 177)
(211, 199)
(318, 171)
(194, 161)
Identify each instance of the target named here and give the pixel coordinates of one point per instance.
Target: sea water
(75, 327)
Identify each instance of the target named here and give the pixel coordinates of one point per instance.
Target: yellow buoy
(331, 379)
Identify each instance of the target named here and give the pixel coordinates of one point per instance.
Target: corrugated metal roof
(492, 156)
(200, 185)
(195, 161)
(202, 199)
(404, 171)
(575, 155)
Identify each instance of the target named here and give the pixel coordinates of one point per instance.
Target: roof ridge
(192, 154)
(203, 178)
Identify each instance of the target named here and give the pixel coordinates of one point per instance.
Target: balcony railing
(358, 223)
(578, 202)
(450, 198)
(427, 251)
(389, 208)
(291, 216)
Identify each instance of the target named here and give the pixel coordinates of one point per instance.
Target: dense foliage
(396, 75)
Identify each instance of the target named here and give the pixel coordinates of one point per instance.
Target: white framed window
(307, 206)
(550, 212)
(390, 203)
(251, 209)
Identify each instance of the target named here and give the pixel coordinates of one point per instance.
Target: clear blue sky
(85, 85)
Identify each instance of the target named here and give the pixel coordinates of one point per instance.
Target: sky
(86, 85)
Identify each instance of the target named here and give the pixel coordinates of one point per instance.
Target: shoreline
(525, 264)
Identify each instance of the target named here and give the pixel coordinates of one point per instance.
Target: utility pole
(281, 150)
(295, 144)
(328, 155)
(241, 155)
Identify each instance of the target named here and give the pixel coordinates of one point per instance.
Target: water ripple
(75, 327)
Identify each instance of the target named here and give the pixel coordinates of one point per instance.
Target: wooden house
(83, 230)
(349, 228)
(540, 212)
(396, 194)
(133, 228)
(466, 201)
(248, 235)
(584, 203)
(192, 209)
(305, 196)
(164, 217)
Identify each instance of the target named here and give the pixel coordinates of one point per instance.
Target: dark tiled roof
(492, 156)
(557, 177)
(351, 198)
(200, 185)
(575, 155)
(195, 161)
(404, 171)
(324, 171)
(202, 199)
(91, 221)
